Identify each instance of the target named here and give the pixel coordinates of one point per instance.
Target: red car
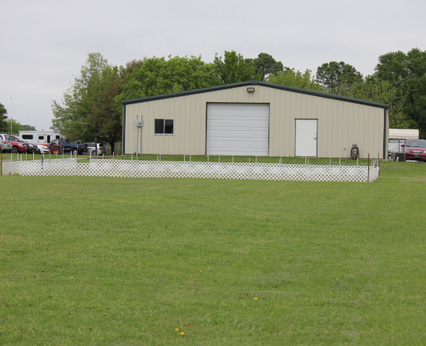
(18, 145)
(415, 149)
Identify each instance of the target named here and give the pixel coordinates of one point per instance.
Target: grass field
(184, 261)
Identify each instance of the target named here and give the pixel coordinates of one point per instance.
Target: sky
(44, 43)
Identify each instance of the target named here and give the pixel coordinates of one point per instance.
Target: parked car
(415, 149)
(18, 144)
(91, 148)
(5, 143)
(44, 148)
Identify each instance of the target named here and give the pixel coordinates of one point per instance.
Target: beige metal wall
(340, 123)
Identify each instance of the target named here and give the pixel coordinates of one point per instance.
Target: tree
(295, 79)
(14, 126)
(105, 119)
(11, 125)
(158, 76)
(407, 73)
(338, 77)
(234, 68)
(266, 65)
(375, 90)
(27, 128)
(3, 119)
(73, 117)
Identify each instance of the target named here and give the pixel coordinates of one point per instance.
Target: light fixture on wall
(250, 89)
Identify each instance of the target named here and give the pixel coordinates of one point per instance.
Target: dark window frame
(164, 126)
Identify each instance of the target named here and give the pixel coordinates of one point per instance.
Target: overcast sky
(44, 43)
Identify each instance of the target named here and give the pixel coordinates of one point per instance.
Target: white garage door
(237, 129)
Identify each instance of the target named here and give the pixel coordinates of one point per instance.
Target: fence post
(378, 162)
(368, 170)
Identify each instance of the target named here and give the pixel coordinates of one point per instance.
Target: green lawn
(87, 260)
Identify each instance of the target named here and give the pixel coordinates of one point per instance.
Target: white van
(40, 138)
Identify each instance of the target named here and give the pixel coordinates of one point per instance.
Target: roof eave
(265, 84)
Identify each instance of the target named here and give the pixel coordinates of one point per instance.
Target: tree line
(91, 107)
(11, 125)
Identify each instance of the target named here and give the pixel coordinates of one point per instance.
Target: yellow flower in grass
(255, 298)
(182, 333)
(177, 329)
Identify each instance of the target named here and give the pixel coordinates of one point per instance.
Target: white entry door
(306, 137)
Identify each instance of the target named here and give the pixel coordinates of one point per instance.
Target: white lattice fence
(179, 169)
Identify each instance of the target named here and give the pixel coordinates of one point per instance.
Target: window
(164, 126)
(27, 136)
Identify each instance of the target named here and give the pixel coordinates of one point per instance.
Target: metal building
(254, 119)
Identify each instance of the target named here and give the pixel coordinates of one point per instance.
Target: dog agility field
(88, 260)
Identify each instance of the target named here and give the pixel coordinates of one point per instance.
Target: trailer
(40, 138)
(397, 138)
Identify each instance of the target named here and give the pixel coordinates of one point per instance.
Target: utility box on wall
(139, 122)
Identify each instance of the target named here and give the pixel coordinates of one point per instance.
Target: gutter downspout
(385, 134)
(123, 139)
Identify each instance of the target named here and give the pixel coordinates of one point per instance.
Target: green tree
(105, 120)
(265, 65)
(375, 90)
(11, 124)
(14, 126)
(234, 68)
(27, 128)
(407, 73)
(17, 126)
(338, 77)
(3, 119)
(296, 79)
(158, 76)
(73, 116)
